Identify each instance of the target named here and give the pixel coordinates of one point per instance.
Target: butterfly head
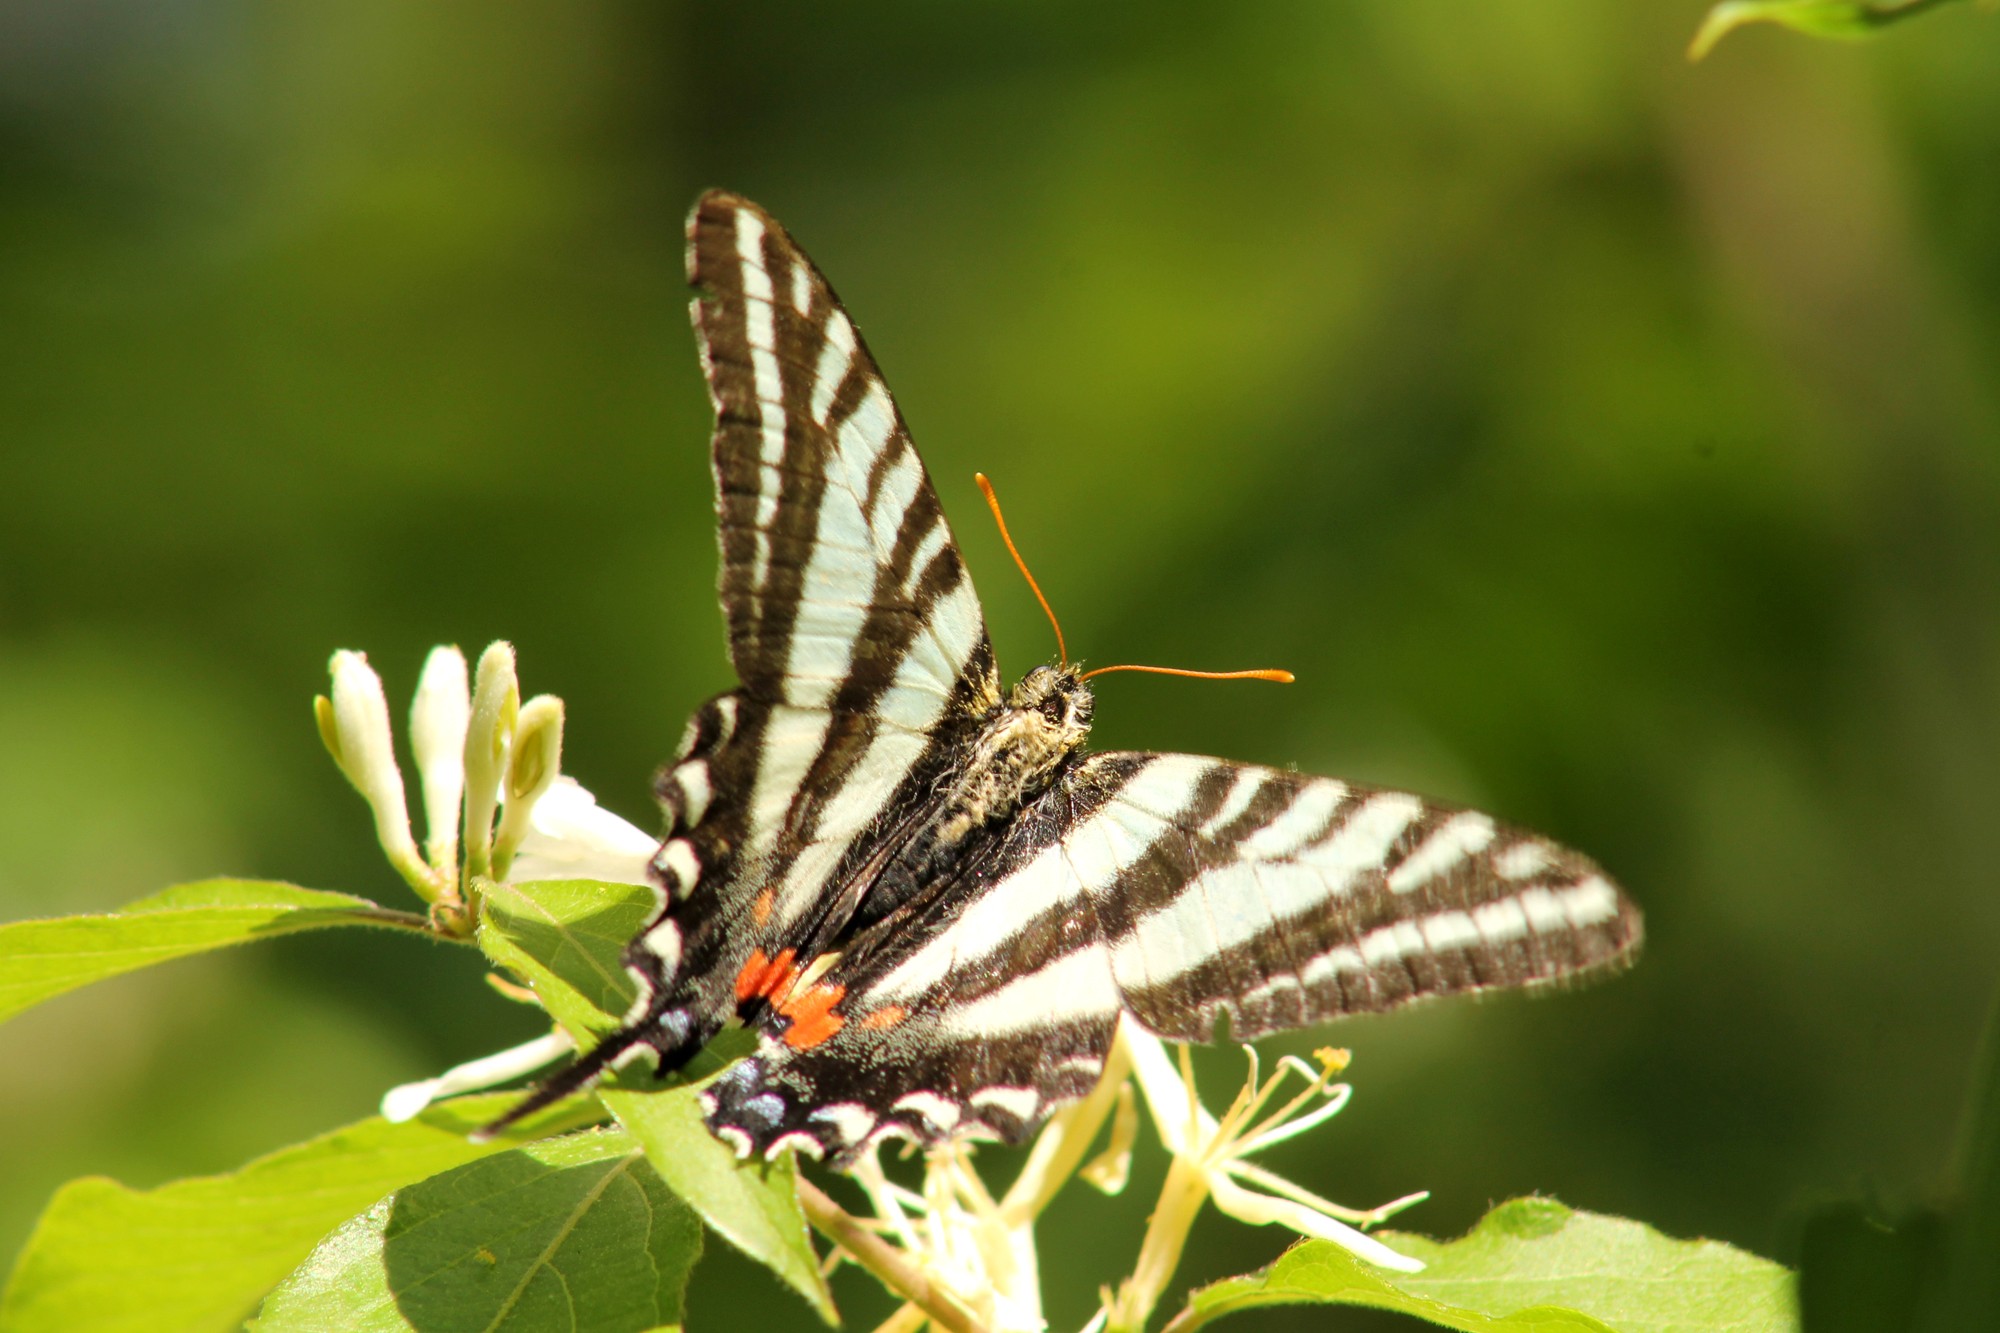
(1059, 703)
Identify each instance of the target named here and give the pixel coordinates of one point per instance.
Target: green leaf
(197, 1254)
(1848, 20)
(41, 959)
(1532, 1266)
(565, 939)
(753, 1204)
(575, 1234)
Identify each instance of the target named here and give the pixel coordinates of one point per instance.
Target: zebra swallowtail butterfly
(922, 894)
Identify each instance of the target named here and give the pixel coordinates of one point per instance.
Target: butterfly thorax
(1012, 754)
(1020, 749)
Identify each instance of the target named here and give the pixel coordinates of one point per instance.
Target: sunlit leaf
(197, 1254)
(42, 959)
(1848, 20)
(753, 1204)
(575, 1235)
(1532, 1266)
(564, 938)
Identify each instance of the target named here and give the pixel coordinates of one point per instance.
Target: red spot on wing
(812, 1014)
(761, 908)
(885, 1018)
(765, 977)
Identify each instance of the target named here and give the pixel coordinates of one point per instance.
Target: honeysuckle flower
(1209, 1162)
(496, 705)
(480, 753)
(960, 1237)
(438, 719)
(571, 836)
(354, 724)
(408, 1100)
(533, 762)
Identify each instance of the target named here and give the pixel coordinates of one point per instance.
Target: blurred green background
(1605, 441)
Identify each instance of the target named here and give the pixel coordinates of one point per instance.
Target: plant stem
(885, 1261)
(907, 1319)
(400, 920)
(1181, 1199)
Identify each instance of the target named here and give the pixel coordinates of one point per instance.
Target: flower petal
(570, 836)
(1166, 1092)
(408, 1101)
(1263, 1209)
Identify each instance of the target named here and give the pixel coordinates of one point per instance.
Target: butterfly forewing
(852, 622)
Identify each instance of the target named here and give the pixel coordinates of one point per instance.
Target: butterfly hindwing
(1182, 890)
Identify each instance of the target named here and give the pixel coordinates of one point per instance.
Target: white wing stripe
(791, 741)
(1075, 987)
(1299, 823)
(1249, 781)
(1362, 841)
(833, 363)
(1045, 882)
(1523, 859)
(1090, 857)
(1463, 835)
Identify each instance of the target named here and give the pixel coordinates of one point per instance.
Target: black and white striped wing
(1179, 889)
(852, 622)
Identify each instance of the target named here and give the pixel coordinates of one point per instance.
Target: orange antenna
(1262, 673)
(993, 503)
(1062, 651)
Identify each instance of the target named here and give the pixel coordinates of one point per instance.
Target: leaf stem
(400, 920)
(885, 1261)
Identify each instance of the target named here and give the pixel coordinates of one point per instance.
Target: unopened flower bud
(496, 706)
(355, 726)
(438, 721)
(533, 763)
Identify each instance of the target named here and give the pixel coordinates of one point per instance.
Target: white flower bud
(496, 705)
(533, 763)
(408, 1101)
(438, 720)
(355, 727)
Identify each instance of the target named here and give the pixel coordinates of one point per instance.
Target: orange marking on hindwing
(885, 1018)
(761, 908)
(812, 1015)
(765, 977)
